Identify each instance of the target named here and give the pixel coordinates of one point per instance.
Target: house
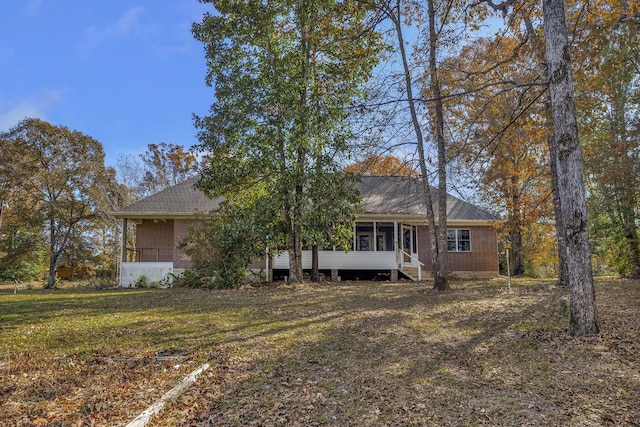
(390, 237)
(79, 272)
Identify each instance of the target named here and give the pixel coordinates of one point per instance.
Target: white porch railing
(354, 260)
(414, 260)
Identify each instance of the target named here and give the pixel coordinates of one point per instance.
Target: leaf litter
(355, 354)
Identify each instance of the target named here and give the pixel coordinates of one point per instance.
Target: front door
(406, 243)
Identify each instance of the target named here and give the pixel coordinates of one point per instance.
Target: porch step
(412, 273)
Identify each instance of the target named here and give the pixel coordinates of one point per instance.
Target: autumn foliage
(379, 165)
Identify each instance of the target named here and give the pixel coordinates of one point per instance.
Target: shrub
(142, 282)
(221, 248)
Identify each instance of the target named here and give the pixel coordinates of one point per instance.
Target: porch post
(375, 238)
(395, 241)
(354, 241)
(125, 225)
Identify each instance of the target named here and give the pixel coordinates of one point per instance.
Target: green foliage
(222, 247)
(56, 179)
(22, 271)
(188, 279)
(285, 74)
(610, 249)
(142, 282)
(608, 101)
(333, 201)
(23, 254)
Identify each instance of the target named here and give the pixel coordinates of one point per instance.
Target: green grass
(344, 354)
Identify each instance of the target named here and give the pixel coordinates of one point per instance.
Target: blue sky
(126, 72)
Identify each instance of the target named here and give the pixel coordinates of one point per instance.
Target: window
(384, 236)
(364, 236)
(364, 242)
(459, 240)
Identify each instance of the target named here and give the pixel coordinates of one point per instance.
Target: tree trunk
(517, 260)
(51, 278)
(296, 274)
(438, 268)
(436, 110)
(568, 159)
(315, 268)
(563, 268)
(53, 256)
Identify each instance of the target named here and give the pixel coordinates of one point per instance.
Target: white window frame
(457, 240)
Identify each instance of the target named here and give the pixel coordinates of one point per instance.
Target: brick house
(390, 236)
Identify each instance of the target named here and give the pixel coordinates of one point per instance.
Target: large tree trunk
(53, 256)
(296, 274)
(517, 252)
(295, 255)
(51, 277)
(568, 159)
(563, 268)
(295, 260)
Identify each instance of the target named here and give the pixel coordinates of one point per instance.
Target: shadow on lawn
(380, 359)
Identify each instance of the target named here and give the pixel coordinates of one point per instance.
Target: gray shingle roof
(180, 200)
(403, 196)
(391, 195)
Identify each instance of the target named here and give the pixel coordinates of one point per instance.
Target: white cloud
(128, 23)
(11, 113)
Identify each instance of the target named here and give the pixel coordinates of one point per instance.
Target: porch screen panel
(364, 236)
(384, 236)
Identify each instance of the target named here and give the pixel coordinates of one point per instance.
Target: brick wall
(482, 258)
(180, 230)
(158, 242)
(154, 240)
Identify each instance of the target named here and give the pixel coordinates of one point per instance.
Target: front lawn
(356, 353)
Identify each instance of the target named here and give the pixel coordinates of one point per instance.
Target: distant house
(78, 272)
(390, 237)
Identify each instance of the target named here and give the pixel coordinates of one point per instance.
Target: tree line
(57, 193)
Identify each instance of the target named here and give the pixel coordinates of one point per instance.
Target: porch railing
(402, 253)
(149, 254)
